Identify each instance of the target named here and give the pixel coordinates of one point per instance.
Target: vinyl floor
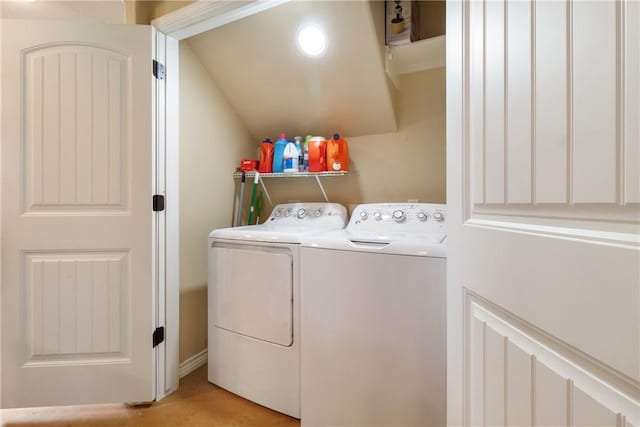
(196, 403)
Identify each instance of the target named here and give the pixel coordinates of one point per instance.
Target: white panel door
(543, 153)
(77, 291)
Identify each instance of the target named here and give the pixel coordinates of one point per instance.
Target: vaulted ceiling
(274, 88)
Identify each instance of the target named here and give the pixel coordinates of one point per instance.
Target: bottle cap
(268, 141)
(336, 136)
(283, 136)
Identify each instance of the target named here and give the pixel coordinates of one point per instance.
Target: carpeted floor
(196, 403)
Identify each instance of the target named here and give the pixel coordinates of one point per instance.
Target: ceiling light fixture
(312, 40)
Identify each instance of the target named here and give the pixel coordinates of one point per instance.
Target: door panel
(77, 291)
(544, 246)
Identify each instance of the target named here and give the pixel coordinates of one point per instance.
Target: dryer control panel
(313, 214)
(398, 220)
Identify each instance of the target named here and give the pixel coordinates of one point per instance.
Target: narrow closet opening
(248, 80)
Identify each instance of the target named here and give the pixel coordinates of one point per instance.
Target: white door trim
(203, 16)
(183, 23)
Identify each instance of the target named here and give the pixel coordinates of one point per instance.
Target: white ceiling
(274, 88)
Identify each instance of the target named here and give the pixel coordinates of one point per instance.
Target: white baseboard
(192, 363)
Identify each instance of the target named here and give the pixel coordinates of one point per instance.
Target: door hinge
(158, 70)
(158, 202)
(158, 336)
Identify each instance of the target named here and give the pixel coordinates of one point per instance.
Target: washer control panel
(404, 219)
(316, 213)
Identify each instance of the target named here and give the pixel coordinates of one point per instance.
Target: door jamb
(169, 29)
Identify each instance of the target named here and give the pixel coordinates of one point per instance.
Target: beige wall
(212, 140)
(393, 167)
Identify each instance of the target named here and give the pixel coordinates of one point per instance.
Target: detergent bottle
(305, 154)
(266, 157)
(278, 152)
(337, 154)
(317, 154)
(290, 157)
(300, 157)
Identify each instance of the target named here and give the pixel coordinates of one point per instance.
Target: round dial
(377, 216)
(278, 212)
(398, 215)
(302, 213)
(287, 212)
(363, 215)
(318, 212)
(422, 216)
(438, 216)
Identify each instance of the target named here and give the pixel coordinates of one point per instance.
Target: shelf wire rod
(326, 199)
(264, 190)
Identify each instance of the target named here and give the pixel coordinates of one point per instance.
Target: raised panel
(74, 115)
(76, 306)
(494, 103)
(519, 386)
(518, 108)
(476, 98)
(588, 412)
(631, 105)
(476, 372)
(594, 104)
(520, 376)
(551, 406)
(494, 392)
(551, 87)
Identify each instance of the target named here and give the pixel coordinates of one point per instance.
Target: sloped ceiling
(274, 88)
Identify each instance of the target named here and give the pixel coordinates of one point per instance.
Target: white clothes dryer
(254, 334)
(373, 325)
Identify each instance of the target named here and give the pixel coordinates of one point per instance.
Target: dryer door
(252, 291)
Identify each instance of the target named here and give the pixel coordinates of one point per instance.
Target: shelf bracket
(326, 199)
(265, 192)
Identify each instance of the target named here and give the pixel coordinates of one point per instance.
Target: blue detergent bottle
(278, 153)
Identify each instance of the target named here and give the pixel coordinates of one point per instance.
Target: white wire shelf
(316, 175)
(291, 174)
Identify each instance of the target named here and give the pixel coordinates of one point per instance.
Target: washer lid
(345, 240)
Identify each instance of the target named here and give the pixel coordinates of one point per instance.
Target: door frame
(169, 29)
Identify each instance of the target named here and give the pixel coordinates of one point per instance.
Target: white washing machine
(254, 334)
(373, 322)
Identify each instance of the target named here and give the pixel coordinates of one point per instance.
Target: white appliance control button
(278, 212)
(398, 215)
(438, 216)
(422, 216)
(318, 212)
(287, 212)
(302, 213)
(377, 216)
(363, 215)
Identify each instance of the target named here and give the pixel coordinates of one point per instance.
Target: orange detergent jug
(337, 154)
(317, 154)
(266, 157)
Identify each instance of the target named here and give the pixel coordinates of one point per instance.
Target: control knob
(377, 215)
(438, 216)
(302, 213)
(398, 215)
(318, 212)
(287, 212)
(363, 215)
(422, 216)
(278, 212)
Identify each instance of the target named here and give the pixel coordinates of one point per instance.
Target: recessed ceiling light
(312, 40)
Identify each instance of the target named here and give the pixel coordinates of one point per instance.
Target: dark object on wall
(410, 21)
